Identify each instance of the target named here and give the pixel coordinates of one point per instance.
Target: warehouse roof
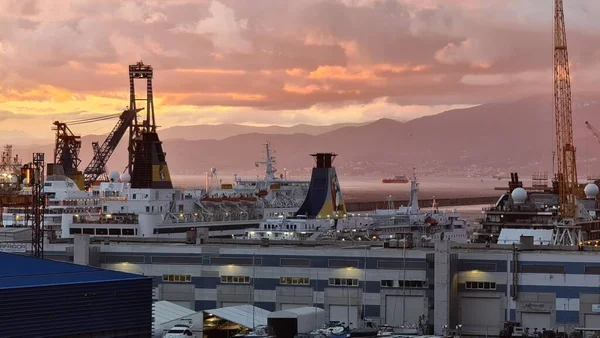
(19, 271)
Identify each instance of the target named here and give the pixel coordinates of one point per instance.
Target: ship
(415, 226)
(322, 214)
(534, 211)
(395, 179)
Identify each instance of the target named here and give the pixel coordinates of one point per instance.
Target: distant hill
(480, 140)
(222, 131)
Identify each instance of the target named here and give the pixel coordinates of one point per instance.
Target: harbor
(122, 245)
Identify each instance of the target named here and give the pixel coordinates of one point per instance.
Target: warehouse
(57, 299)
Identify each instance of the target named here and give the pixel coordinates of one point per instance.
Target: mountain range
(477, 141)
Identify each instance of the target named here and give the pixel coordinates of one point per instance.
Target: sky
(265, 62)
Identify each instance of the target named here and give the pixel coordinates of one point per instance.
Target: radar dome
(519, 195)
(591, 191)
(114, 176)
(125, 177)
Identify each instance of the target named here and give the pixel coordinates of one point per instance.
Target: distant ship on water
(395, 179)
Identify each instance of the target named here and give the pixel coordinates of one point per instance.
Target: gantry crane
(566, 170)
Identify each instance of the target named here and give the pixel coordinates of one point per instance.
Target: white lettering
(13, 247)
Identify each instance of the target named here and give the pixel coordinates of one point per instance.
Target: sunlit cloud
(278, 62)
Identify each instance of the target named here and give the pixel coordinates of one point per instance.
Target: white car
(179, 331)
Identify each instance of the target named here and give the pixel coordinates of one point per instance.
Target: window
(388, 283)
(294, 281)
(235, 279)
(295, 262)
(235, 261)
(412, 284)
(480, 285)
(343, 282)
(559, 269)
(592, 270)
(177, 278)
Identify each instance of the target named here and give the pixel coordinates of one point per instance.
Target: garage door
(395, 314)
(536, 320)
(592, 320)
(285, 306)
(344, 314)
(481, 316)
(228, 304)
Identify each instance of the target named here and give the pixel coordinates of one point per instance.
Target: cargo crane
(568, 233)
(97, 167)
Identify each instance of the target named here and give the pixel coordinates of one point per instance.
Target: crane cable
(91, 120)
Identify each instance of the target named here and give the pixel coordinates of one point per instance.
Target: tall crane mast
(565, 150)
(566, 170)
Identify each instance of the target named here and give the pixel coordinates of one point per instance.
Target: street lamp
(458, 329)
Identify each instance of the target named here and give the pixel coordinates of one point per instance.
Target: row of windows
(480, 285)
(294, 281)
(104, 231)
(390, 283)
(235, 279)
(343, 281)
(177, 278)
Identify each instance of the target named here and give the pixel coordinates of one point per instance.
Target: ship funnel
(324, 198)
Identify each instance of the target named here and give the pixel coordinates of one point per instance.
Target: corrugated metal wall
(110, 309)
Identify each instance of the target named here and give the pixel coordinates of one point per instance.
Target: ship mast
(268, 162)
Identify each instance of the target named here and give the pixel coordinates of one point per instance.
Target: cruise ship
(406, 223)
(114, 208)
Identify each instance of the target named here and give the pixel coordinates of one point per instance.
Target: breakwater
(425, 203)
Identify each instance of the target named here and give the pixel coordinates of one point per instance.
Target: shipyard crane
(97, 166)
(566, 171)
(593, 130)
(66, 152)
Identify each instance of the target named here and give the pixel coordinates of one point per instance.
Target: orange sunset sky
(284, 62)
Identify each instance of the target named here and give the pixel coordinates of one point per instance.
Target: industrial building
(44, 298)
(472, 285)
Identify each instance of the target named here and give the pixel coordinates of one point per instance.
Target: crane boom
(593, 130)
(565, 149)
(97, 166)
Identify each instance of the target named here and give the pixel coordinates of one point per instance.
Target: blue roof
(27, 271)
